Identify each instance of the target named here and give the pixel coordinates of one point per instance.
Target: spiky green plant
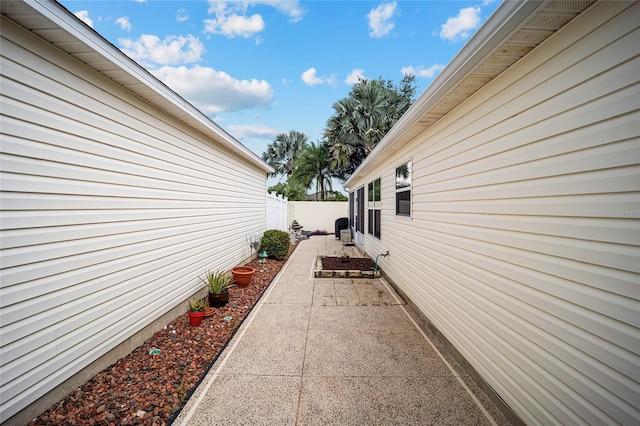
(196, 305)
(217, 282)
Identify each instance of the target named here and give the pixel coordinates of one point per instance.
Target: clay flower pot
(195, 318)
(242, 275)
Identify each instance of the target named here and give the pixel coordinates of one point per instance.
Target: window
(352, 213)
(374, 205)
(403, 190)
(360, 212)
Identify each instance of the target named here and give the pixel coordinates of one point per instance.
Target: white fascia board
(71, 24)
(505, 21)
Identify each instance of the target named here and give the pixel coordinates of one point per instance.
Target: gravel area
(146, 389)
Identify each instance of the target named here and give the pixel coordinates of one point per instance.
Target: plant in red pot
(196, 311)
(242, 275)
(218, 283)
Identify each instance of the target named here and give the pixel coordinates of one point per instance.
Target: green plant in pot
(196, 311)
(218, 284)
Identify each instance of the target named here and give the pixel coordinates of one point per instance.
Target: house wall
(111, 209)
(522, 248)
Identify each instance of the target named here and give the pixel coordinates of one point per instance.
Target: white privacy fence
(317, 215)
(276, 212)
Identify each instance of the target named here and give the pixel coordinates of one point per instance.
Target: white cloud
(235, 25)
(149, 49)
(291, 8)
(420, 71)
(460, 27)
(83, 15)
(182, 15)
(381, 20)
(214, 91)
(257, 131)
(231, 18)
(124, 23)
(354, 76)
(311, 79)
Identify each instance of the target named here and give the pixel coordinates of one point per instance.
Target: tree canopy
(359, 122)
(312, 165)
(362, 119)
(282, 152)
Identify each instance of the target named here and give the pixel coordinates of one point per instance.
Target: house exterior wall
(523, 243)
(111, 210)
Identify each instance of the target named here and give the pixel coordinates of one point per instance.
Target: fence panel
(276, 212)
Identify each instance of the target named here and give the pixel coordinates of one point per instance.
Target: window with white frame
(360, 210)
(374, 205)
(403, 189)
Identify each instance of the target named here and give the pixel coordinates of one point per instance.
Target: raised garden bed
(345, 267)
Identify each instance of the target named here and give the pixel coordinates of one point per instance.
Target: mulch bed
(145, 389)
(346, 263)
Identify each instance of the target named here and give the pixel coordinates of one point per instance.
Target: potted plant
(196, 311)
(242, 275)
(218, 283)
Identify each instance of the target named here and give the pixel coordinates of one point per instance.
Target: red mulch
(144, 389)
(346, 263)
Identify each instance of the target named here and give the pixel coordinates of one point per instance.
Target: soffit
(538, 26)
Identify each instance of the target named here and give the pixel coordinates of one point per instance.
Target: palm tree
(281, 153)
(293, 191)
(313, 164)
(363, 118)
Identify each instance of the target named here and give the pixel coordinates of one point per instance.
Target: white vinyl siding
(523, 244)
(111, 209)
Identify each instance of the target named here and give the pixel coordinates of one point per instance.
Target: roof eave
(506, 20)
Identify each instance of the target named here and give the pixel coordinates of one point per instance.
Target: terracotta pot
(218, 300)
(195, 318)
(242, 275)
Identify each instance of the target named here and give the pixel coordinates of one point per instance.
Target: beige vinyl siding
(111, 209)
(523, 244)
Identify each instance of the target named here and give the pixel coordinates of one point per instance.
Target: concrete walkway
(326, 351)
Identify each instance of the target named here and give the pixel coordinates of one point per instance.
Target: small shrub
(319, 232)
(276, 243)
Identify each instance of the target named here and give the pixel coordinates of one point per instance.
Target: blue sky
(259, 68)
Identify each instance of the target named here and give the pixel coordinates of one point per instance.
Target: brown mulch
(145, 389)
(346, 263)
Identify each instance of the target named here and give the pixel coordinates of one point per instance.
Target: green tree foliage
(313, 165)
(281, 153)
(362, 119)
(293, 191)
(336, 196)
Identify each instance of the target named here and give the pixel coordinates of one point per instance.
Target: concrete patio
(335, 351)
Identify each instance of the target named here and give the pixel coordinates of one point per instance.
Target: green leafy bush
(276, 243)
